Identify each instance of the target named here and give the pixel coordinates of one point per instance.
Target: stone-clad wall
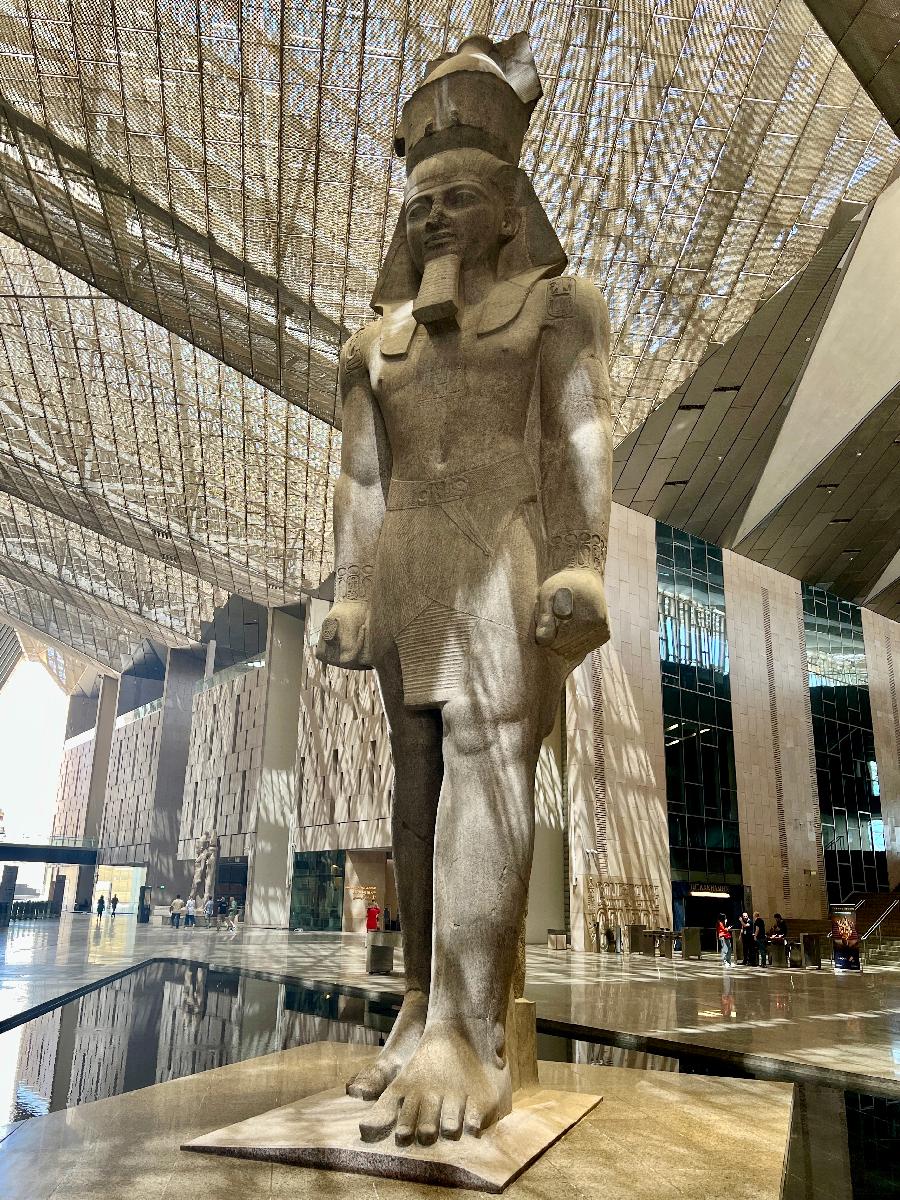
(778, 806)
(223, 764)
(344, 772)
(882, 639)
(617, 775)
(74, 785)
(130, 790)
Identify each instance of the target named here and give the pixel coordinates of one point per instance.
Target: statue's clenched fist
(570, 614)
(344, 638)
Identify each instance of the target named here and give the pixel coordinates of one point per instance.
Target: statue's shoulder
(571, 296)
(356, 351)
(574, 315)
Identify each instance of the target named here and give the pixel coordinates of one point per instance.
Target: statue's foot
(455, 1080)
(401, 1043)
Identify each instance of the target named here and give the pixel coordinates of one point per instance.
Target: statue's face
(453, 206)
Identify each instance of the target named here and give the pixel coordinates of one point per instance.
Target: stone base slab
(322, 1131)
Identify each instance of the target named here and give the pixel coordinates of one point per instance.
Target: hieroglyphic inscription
(618, 902)
(352, 582)
(578, 548)
(560, 297)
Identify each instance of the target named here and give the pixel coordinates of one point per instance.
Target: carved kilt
(455, 554)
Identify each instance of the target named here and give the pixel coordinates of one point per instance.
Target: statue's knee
(468, 730)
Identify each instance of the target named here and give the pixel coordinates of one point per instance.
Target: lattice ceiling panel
(49, 613)
(226, 169)
(100, 568)
(62, 662)
(116, 424)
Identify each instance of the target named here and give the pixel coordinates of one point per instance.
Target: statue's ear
(509, 226)
(398, 279)
(534, 242)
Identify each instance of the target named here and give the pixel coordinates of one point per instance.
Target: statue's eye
(418, 210)
(462, 197)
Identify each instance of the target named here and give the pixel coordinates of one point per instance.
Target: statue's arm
(576, 470)
(359, 507)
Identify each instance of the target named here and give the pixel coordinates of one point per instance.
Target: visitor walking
(232, 914)
(113, 905)
(209, 911)
(723, 933)
(221, 912)
(101, 904)
(747, 945)
(373, 912)
(759, 938)
(190, 913)
(175, 910)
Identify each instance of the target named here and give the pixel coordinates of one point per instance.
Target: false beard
(438, 299)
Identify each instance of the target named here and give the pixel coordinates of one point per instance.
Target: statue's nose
(436, 216)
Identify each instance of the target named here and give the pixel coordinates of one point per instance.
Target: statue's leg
(458, 1077)
(416, 751)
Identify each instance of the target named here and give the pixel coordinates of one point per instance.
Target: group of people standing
(755, 938)
(224, 911)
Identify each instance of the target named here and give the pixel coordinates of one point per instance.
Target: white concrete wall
(271, 845)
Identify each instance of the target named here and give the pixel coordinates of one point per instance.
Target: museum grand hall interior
(457, 793)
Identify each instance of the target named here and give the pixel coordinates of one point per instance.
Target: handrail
(877, 925)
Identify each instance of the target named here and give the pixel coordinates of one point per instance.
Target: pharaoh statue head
(466, 202)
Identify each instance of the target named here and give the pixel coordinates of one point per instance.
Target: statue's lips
(440, 239)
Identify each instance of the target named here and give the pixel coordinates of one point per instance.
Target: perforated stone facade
(130, 789)
(344, 771)
(223, 764)
(74, 786)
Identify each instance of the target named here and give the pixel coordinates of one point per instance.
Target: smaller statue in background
(206, 867)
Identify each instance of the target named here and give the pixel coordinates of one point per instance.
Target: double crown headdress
(481, 97)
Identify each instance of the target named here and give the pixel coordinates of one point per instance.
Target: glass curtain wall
(317, 891)
(701, 788)
(846, 768)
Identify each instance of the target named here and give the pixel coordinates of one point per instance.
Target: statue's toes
(378, 1123)
(479, 1116)
(370, 1083)
(429, 1121)
(407, 1119)
(452, 1112)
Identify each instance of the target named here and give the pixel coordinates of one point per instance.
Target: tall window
(846, 768)
(704, 843)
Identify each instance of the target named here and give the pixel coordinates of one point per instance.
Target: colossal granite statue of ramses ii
(470, 524)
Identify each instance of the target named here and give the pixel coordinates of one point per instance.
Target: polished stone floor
(841, 1028)
(652, 1137)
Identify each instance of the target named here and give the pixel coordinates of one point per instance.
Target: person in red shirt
(723, 933)
(373, 912)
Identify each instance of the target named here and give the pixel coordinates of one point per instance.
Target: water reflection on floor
(171, 1019)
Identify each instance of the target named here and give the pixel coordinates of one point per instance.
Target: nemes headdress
(480, 97)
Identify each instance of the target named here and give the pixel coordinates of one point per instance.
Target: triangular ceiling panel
(853, 365)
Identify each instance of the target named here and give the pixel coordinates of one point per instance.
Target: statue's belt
(507, 474)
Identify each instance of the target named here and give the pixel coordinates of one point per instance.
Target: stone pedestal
(322, 1131)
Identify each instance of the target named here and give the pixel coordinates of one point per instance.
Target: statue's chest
(461, 366)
